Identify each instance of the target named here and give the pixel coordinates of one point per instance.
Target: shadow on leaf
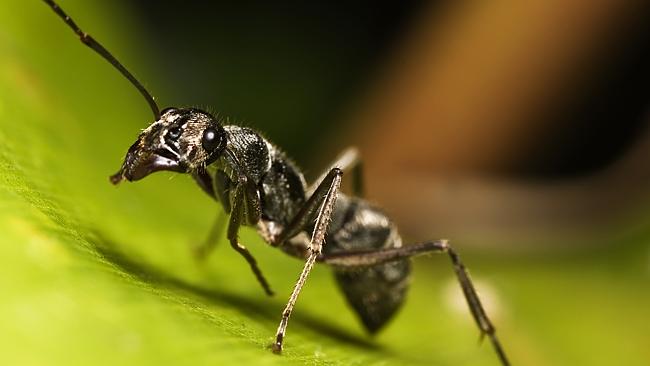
(107, 249)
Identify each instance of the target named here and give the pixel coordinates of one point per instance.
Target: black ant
(259, 186)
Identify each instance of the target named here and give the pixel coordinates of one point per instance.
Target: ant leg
(211, 241)
(332, 182)
(308, 212)
(358, 259)
(236, 216)
(348, 159)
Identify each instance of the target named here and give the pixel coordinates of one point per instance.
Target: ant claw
(277, 348)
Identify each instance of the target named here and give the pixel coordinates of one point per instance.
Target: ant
(259, 186)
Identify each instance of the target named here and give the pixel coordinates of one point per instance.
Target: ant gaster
(259, 186)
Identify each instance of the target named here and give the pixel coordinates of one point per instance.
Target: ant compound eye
(211, 139)
(174, 133)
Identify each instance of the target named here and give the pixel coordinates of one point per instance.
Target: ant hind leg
(366, 258)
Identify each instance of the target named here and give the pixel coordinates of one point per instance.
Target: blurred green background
(93, 274)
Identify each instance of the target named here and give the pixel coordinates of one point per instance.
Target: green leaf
(93, 274)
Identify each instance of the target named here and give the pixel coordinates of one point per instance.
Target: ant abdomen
(375, 292)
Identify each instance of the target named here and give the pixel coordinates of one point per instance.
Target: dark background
(296, 66)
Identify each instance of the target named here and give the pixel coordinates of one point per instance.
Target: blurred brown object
(463, 97)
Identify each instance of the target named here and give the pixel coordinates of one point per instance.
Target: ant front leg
(366, 258)
(250, 200)
(324, 197)
(219, 194)
(213, 237)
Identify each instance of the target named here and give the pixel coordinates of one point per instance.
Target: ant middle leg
(348, 160)
(366, 258)
(320, 206)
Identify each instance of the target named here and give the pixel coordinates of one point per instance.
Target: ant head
(181, 140)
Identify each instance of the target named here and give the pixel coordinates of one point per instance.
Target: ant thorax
(278, 183)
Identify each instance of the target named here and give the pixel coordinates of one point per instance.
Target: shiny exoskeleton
(259, 186)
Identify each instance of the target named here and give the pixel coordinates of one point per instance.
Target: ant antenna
(89, 41)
